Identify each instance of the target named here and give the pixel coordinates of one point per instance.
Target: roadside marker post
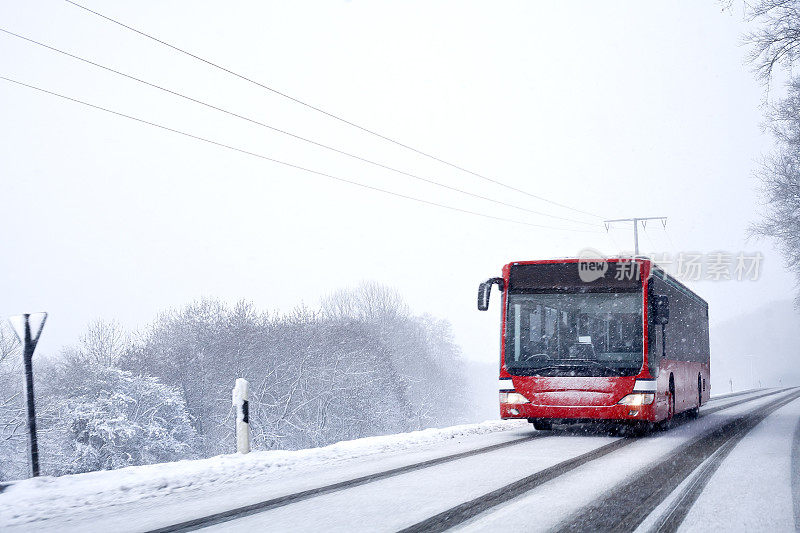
(241, 403)
(22, 327)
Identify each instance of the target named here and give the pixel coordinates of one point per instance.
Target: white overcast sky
(618, 108)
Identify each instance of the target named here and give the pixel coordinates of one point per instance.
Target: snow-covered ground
(571, 492)
(45, 498)
(752, 490)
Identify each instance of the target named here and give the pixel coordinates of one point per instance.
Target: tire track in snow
(468, 510)
(625, 507)
(732, 394)
(461, 513)
(712, 410)
(280, 501)
(674, 515)
(671, 519)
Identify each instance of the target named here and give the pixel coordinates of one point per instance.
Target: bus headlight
(512, 397)
(637, 398)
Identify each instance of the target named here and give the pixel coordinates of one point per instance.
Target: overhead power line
(669, 238)
(284, 163)
(654, 248)
(288, 133)
(332, 115)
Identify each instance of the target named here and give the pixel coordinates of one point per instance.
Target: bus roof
(654, 270)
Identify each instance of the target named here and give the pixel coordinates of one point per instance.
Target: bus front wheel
(541, 424)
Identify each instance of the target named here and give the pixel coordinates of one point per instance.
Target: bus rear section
(579, 342)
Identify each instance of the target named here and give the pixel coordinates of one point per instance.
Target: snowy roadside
(46, 496)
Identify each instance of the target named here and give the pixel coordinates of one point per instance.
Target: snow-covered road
(733, 468)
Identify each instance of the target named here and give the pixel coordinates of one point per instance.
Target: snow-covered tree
(12, 416)
(775, 42)
(779, 175)
(110, 418)
(774, 49)
(103, 343)
(201, 349)
(361, 365)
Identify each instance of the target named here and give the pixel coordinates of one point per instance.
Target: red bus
(599, 339)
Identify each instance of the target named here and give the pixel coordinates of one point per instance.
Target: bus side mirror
(485, 291)
(661, 309)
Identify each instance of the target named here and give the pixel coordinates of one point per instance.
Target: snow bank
(48, 496)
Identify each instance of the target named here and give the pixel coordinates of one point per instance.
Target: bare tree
(103, 343)
(12, 417)
(369, 301)
(9, 343)
(779, 174)
(775, 45)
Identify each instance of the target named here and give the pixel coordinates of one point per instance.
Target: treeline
(360, 365)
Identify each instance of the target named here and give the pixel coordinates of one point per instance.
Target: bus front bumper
(579, 412)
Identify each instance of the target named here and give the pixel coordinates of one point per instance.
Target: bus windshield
(577, 334)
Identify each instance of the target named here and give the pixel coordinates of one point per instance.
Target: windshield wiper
(578, 363)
